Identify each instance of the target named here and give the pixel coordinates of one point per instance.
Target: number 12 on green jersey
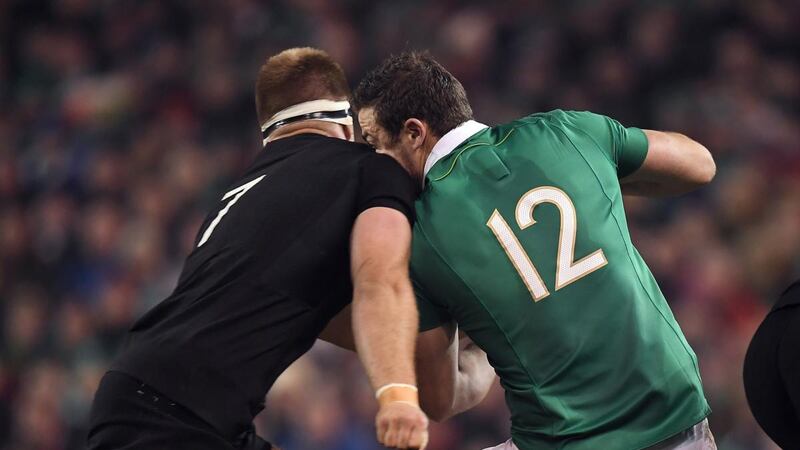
(567, 269)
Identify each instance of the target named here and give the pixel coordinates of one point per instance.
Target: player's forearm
(474, 378)
(675, 164)
(456, 382)
(385, 329)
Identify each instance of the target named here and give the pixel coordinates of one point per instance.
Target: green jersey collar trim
(450, 141)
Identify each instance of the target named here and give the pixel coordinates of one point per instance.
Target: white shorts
(507, 445)
(698, 437)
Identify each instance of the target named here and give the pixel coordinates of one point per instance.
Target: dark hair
(298, 75)
(413, 84)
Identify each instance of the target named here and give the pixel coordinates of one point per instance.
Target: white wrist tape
(386, 387)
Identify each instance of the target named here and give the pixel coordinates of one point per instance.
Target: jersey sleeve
(383, 182)
(626, 147)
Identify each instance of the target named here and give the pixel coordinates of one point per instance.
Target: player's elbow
(706, 167)
(694, 164)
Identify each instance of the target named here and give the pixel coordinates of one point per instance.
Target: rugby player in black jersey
(772, 371)
(315, 222)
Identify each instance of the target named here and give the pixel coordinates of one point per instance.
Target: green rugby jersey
(521, 239)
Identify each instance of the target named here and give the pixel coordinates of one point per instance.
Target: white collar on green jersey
(451, 140)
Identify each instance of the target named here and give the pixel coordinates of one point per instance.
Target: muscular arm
(675, 164)
(384, 310)
(451, 380)
(385, 323)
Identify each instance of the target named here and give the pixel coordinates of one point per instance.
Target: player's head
(406, 104)
(301, 87)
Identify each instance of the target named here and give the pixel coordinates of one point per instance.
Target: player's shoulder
(366, 154)
(357, 155)
(357, 149)
(365, 159)
(575, 124)
(789, 297)
(313, 145)
(378, 170)
(558, 117)
(375, 161)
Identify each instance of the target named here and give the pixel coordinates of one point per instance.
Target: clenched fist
(402, 425)
(400, 422)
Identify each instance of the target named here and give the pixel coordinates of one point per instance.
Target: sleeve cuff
(635, 151)
(388, 202)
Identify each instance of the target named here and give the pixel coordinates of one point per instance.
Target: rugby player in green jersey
(521, 239)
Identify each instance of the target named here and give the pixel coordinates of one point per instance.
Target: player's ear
(416, 131)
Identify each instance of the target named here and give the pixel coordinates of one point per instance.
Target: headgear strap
(325, 110)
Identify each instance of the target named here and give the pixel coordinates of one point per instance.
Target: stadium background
(123, 121)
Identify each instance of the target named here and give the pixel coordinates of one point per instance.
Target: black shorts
(129, 415)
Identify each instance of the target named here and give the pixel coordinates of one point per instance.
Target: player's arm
(675, 164)
(451, 380)
(385, 322)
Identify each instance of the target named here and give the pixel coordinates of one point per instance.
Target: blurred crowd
(121, 122)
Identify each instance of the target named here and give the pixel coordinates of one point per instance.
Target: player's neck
(327, 129)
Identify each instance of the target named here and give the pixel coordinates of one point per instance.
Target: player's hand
(402, 425)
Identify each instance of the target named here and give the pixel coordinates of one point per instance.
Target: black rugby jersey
(270, 268)
(771, 371)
